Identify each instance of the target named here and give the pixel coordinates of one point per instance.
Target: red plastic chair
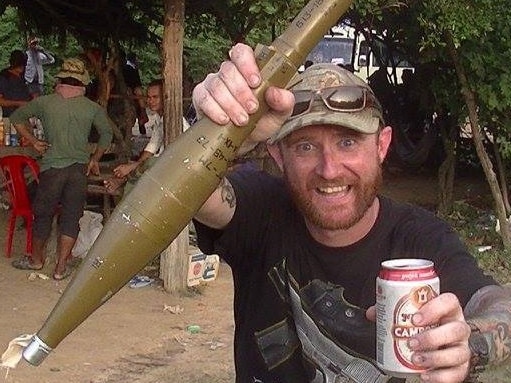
(14, 170)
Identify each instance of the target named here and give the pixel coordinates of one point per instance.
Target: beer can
(403, 286)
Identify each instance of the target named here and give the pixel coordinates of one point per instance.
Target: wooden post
(174, 264)
(174, 260)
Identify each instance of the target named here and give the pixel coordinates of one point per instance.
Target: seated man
(153, 148)
(141, 132)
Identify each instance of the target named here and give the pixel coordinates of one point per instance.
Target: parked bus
(345, 47)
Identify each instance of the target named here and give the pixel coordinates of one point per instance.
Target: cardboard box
(202, 268)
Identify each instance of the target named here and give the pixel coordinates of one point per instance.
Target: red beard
(332, 218)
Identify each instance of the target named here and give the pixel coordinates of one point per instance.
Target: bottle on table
(6, 130)
(14, 139)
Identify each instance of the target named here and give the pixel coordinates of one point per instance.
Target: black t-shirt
(271, 253)
(14, 88)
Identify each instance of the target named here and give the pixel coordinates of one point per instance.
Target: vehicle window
(383, 53)
(332, 49)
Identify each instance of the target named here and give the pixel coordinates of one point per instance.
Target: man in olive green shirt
(67, 117)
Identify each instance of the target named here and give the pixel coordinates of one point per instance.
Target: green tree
(9, 22)
(467, 50)
(473, 40)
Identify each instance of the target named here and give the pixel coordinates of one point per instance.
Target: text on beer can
(402, 288)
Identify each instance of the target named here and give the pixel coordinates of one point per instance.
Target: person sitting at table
(130, 172)
(68, 117)
(13, 90)
(141, 133)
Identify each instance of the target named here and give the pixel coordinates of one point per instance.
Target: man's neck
(341, 238)
(15, 71)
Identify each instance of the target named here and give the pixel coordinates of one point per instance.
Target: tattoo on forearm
(490, 311)
(227, 193)
(502, 342)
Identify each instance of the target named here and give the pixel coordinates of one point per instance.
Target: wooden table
(95, 184)
(19, 150)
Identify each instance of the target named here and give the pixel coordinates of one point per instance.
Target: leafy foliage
(91, 22)
(63, 46)
(476, 226)
(213, 27)
(9, 40)
(485, 50)
(203, 52)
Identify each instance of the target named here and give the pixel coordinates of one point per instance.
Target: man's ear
(384, 139)
(276, 154)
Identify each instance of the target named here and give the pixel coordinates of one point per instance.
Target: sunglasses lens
(340, 98)
(302, 103)
(347, 98)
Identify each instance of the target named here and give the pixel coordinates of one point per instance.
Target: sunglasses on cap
(337, 98)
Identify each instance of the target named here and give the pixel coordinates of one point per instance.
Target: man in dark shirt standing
(13, 90)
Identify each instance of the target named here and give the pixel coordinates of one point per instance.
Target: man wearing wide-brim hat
(67, 117)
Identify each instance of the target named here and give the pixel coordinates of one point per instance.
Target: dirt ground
(135, 337)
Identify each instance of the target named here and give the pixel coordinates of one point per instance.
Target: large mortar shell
(169, 194)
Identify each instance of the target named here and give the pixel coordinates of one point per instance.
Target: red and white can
(402, 288)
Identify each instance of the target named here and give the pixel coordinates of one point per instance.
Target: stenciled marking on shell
(126, 217)
(97, 262)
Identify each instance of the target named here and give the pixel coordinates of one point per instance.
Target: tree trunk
(102, 69)
(501, 171)
(446, 172)
(174, 260)
(123, 109)
(486, 163)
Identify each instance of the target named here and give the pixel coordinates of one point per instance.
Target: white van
(345, 47)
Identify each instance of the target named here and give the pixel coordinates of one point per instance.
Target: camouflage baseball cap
(323, 76)
(74, 68)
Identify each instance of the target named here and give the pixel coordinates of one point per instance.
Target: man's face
(33, 43)
(333, 173)
(154, 99)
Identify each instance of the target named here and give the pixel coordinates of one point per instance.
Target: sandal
(25, 263)
(140, 281)
(59, 277)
